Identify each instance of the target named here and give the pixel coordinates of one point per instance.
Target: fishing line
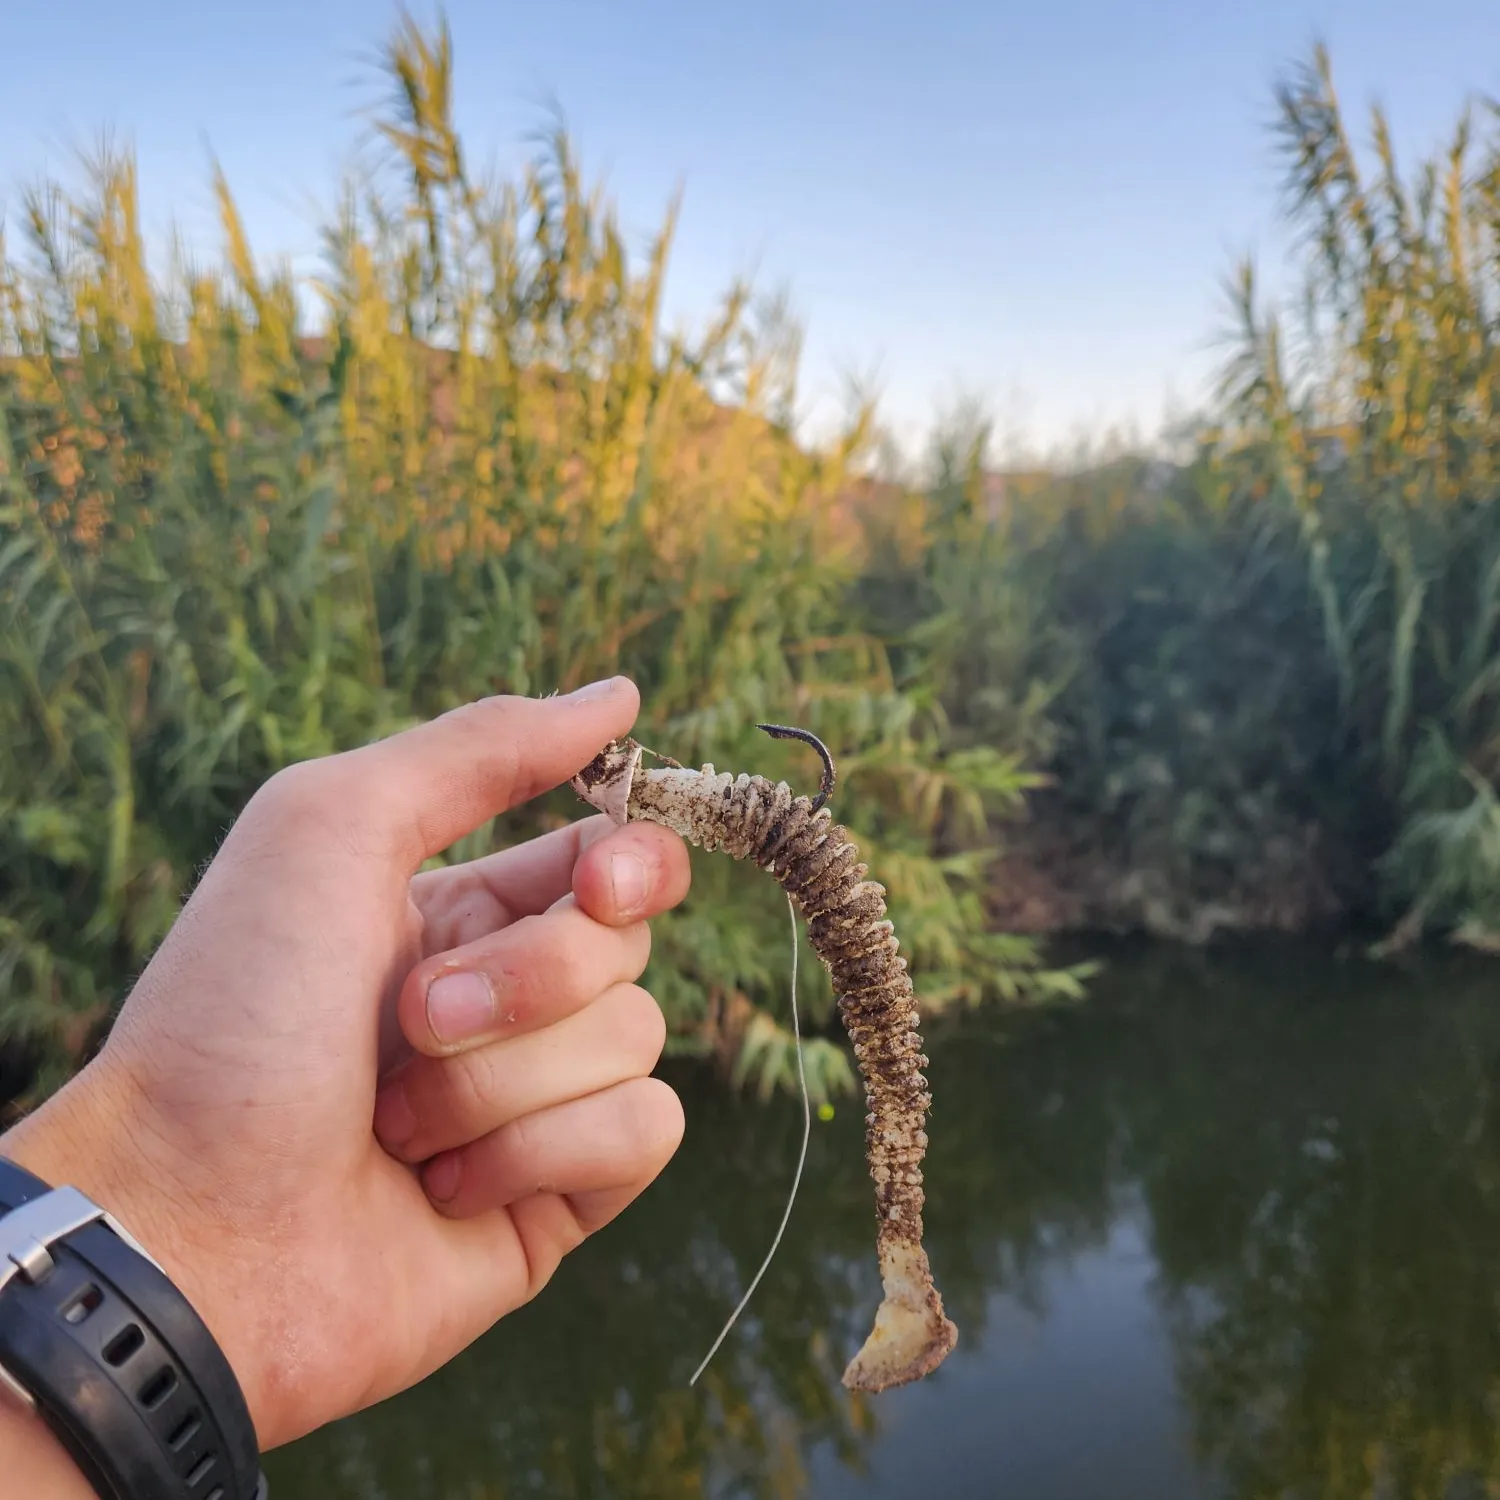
(801, 1159)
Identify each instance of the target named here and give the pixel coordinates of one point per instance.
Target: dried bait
(795, 839)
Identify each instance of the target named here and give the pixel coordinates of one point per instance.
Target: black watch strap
(112, 1357)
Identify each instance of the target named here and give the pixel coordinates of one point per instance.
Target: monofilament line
(801, 1161)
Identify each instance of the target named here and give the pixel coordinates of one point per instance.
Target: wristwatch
(99, 1343)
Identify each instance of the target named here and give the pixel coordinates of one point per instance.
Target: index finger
(464, 902)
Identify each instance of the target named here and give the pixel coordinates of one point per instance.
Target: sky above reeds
(1031, 203)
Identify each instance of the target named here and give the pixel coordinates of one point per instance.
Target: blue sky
(1031, 202)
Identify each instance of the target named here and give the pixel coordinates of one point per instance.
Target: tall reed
(1373, 418)
(230, 539)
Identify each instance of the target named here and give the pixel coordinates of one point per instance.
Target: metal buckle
(27, 1234)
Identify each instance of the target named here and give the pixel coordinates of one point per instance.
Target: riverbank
(1050, 880)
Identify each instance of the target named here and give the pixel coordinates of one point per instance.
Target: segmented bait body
(796, 840)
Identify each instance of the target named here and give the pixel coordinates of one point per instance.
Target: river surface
(1230, 1228)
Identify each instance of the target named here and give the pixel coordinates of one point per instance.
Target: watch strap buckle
(30, 1230)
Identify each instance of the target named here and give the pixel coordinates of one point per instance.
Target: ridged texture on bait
(817, 863)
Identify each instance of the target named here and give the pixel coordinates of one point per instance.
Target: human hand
(227, 1122)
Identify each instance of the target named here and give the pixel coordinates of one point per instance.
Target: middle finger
(434, 1104)
(517, 980)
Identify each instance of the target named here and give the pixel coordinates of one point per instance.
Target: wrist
(93, 1135)
(99, 1342)
(34, 1462)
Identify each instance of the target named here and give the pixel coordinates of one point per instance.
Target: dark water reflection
(1231, 1229)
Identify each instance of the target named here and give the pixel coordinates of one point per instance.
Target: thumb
(419, 791)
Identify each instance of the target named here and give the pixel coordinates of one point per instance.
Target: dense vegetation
(226, 545)
(1253, 688)
(1278, 660)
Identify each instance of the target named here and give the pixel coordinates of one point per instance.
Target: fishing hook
(786, 732)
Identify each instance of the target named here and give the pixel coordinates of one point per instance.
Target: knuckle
(491, 724)
(470, 1085)
(322, 797)
(295, 788)
(642, 1024)
(566, 965)
(520, 1152)
(646, 1125)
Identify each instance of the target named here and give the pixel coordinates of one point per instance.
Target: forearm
(34, 1463)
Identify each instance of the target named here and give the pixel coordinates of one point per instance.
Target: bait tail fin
(911, 1336)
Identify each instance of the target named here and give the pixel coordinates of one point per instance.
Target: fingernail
(601, 689)
(441, 1177)
(628, 882)
(459, 1006)
(395, 1121)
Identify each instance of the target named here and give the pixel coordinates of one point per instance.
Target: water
(1231, 1229)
